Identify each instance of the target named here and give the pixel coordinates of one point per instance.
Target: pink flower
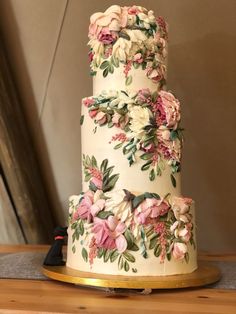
(93, 113)
(133, 10)
(97, 207)
(169, 108)
(106, 36)
(116, 118)
(179, 250)
(156, 75)
(90, 56)
(144, 96)
(87, 102)
(170, 149)
(109, 233)
(83, 210)
(138, 58)
(101, 118)
(181, 207)
(114, 18)
(151, 208)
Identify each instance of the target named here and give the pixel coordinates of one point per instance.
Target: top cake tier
(128, 42)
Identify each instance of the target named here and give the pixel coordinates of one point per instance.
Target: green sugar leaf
(81, 119)
(128, 80)
(84, 254)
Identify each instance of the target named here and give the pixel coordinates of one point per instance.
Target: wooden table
(35, 296)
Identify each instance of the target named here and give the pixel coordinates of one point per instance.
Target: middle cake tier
(136, 134)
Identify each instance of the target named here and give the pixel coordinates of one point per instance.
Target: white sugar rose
(140, 117)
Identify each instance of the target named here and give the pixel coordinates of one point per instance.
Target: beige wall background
(46, 44)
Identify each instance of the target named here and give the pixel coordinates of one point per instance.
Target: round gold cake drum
(205, 274)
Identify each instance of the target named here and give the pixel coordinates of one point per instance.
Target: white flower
(98, 50)
(121, 100)
(136, 35)
(118, 205)
(140, 118)
(121, 49)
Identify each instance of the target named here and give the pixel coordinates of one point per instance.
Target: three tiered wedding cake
(131, 218)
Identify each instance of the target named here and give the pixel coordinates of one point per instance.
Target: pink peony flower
(106, 36)
(151, 208)
(138, 58)
(179, 250)
(87, 102)
(169, 109)
(109, 233)
(114, 18)
(101, 118)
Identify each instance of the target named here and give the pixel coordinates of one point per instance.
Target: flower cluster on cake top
(112, 224)
(132, 36)
(148, 124)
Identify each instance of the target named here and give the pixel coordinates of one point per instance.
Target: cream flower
(140, 118)
(98, 49)
(118, 204)
(181, 207)
(114, 18)
(121, 100)
(121, 49)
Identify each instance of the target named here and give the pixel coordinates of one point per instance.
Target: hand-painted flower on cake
(113, 224)
(149, 124)
(128, 37)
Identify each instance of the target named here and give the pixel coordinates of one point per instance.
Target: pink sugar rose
(138, 58)
(109, 233)
(179, 250)
(106, 36)
(101, 118)
(151, 208)
(114, 18)
(87, 102)
(171, 106)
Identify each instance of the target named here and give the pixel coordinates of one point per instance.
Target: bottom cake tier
(119, 233)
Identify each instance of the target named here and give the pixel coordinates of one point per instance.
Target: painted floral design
(130, 37)
(120, 223)
(148, 126)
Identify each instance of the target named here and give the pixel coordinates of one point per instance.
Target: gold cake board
(205, 274)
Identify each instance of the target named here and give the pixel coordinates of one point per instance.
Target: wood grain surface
(19, 162)
(35, 296)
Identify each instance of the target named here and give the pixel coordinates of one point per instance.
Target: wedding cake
(131, 218)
